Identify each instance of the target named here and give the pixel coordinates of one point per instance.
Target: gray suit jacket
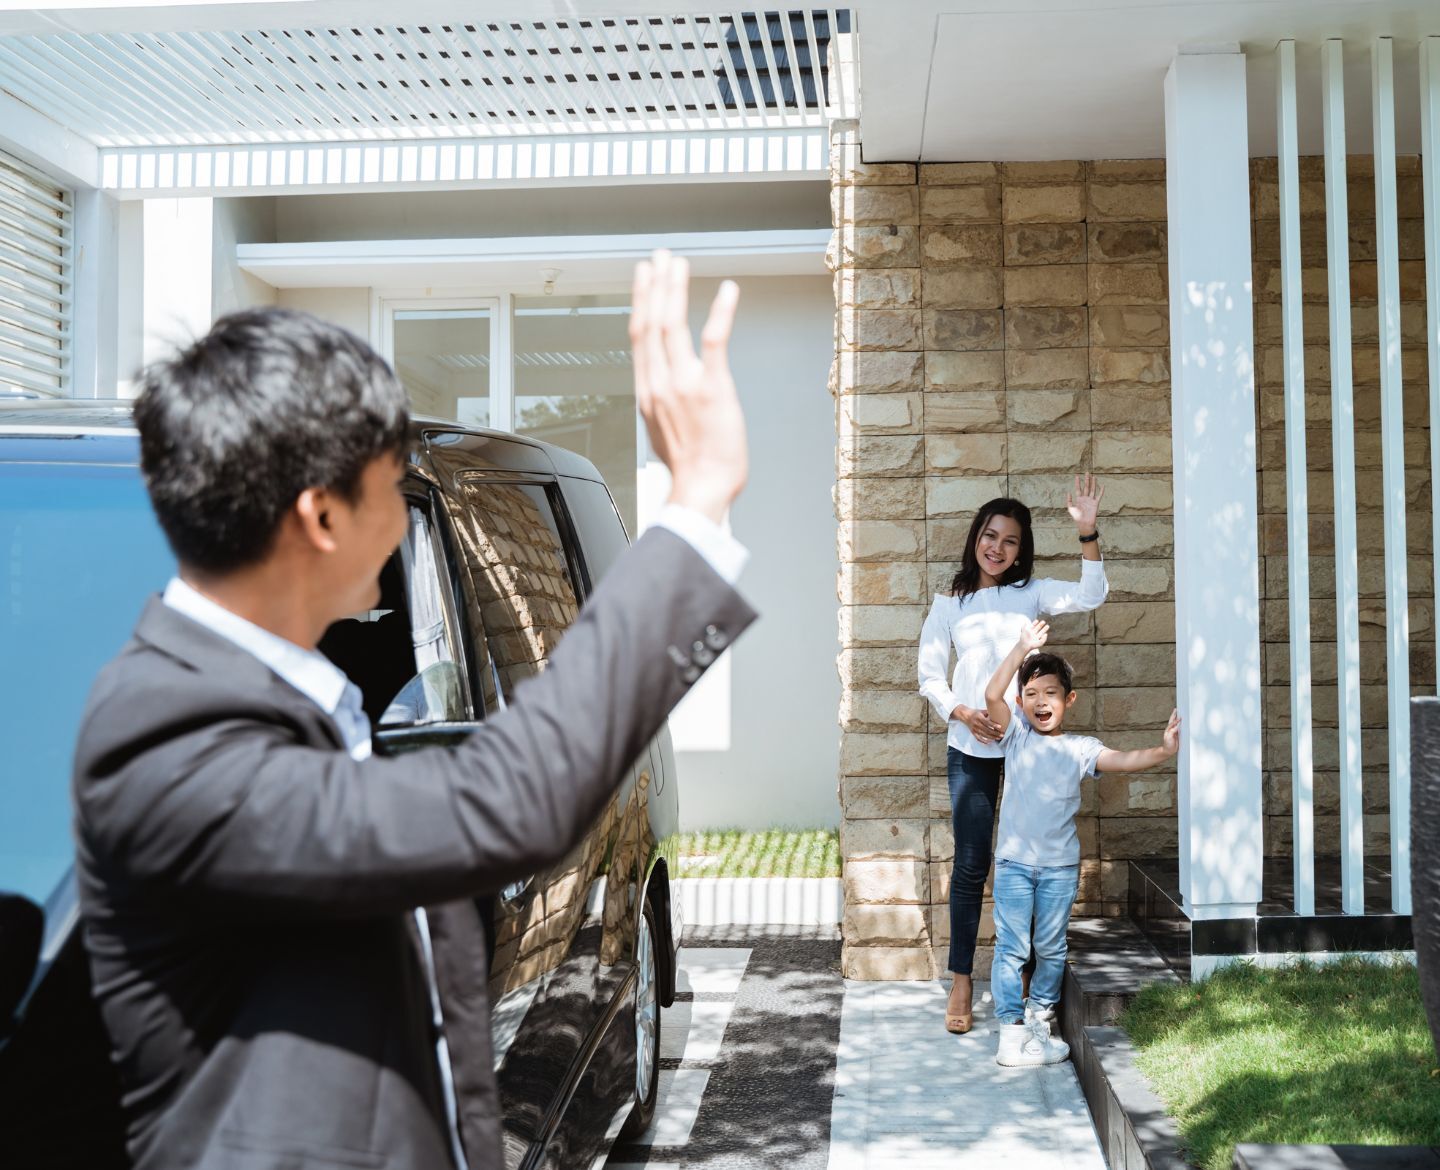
(245, 883)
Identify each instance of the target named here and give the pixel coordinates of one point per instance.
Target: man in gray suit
(249, 873)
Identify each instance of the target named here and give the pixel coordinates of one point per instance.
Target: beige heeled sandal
(959, 1009)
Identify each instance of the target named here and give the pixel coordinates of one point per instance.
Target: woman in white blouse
(992, 597)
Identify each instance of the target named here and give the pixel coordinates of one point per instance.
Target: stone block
(1119, 326)
(1044, 243)
(868, 840)
(882, 540)
(1143, 451)
(947, 245)
(1127, 837)
(1045, 203)
(964, 454)
(1137, 536)
(885, 668)
(848, 168)
(881, 414)
(964, 329)
(1059, 171)
(1124, 169)
(1126, 201)
(1128, 284)
(1088, 830)
(957, 495)
(980, 370)
(1047, 369)
(878, 288)
(879, 963)
(1125, 368)
(1131, 665)
(883, 711)
(870, 206)
(880, 625)
(1124, 708)
(1131, 409)
(887, 882)
(880, 246)
(1112, 243)
(1050, 410)
(892, 583)
(1140, 580)
(881, 455)
(971, 410)
(942, 840)
(883, 797)
(1046, 327)
(972, 203)
(879, 372)
(957, 174)
(886, 926)
(880, 499)
(1060, 452)
(1046, 284)
(880, 328)
(975, 287)
(892, 754)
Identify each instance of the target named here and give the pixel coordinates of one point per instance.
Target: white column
(95, 320)
(179, 243)
(1217, 584)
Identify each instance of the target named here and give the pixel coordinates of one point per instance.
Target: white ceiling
(942, 80)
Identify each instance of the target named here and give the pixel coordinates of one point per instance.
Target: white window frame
(384, 304)
(24, 325)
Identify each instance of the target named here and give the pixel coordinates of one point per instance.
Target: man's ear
(312, 510)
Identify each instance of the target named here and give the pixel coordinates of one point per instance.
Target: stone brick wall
(998, 328)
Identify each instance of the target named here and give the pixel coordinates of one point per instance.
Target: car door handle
(511, 894)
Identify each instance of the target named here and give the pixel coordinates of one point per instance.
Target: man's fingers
(715, 338)
(679, 350)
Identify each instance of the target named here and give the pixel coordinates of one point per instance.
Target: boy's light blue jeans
(1041, 895)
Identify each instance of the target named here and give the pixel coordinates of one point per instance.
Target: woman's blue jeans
(974, 784)
(1027, 897)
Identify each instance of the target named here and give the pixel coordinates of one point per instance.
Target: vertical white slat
(643, 56)
(1297, 493)
(502, 364)
(743, 35)
(1429, 148)
(792, 66)
(817, 72)
(1392, 442)
(1342, 438)
(733, 22)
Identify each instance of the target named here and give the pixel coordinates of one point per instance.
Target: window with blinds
(36, 225)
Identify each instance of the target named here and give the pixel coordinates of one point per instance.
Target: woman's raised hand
(1083, 503)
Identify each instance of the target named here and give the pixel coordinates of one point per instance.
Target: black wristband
(1093, 536)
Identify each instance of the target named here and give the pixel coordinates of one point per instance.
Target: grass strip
(766, 853)
(1331, 1055)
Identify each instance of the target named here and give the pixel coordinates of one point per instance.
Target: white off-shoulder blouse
(982, 629)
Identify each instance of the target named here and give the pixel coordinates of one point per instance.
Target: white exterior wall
(239, 221)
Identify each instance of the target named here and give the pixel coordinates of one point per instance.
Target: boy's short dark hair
(233, 428)
(1043, 662)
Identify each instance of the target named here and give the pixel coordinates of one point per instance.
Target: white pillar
(179, 246)
(1217, 585)
(95, 315)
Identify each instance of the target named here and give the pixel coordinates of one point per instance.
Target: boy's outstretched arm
(1143, 758)
(1031, 638)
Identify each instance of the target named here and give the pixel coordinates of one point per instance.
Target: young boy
(1037, 851)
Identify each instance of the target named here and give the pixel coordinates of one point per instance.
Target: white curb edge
(761, 901)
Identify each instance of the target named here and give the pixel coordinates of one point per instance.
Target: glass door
(442, 352)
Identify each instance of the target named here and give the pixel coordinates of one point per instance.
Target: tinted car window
(596, 517)
(79, 552)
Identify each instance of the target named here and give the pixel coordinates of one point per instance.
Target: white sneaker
(1024, 1045)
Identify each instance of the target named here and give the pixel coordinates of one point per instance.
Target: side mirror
(22, 926)
(395, 741)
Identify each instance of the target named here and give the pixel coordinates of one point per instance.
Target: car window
(602, 534)
(523, 572)
(404, 654)
(80, 551)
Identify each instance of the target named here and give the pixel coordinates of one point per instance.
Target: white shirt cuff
(722, 552)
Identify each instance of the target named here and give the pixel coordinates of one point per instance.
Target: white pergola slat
(705, 72)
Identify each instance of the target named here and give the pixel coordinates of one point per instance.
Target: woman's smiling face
(996, 547)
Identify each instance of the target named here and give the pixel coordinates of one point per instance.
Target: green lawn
(1336, 1054)
(810, 853)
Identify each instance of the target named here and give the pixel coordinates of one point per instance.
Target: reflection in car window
(596, 517)
(522, 574)
(79, 552)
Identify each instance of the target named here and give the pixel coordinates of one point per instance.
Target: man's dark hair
(967, 578)
(233, 428)
(1041, 663)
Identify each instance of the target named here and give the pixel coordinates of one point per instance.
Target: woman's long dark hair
(967, 580)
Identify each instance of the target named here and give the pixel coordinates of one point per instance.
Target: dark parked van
(506, 539)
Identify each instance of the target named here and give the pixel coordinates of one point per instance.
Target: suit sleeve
(225, 806)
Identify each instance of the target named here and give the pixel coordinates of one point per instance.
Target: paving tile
(712, 970)
(694, 1030)
(676, 1107)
